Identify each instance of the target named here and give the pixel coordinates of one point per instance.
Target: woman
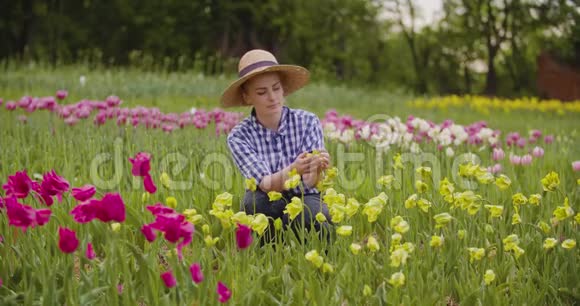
(275, 139)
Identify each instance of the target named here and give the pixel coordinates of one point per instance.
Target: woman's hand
(305, 163)
(324, 160)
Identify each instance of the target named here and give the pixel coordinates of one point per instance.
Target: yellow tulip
(294, 208)
(116, 227)
(551, 181)
(345, 230)
(569, 243)
(476, 254)
(314, 258)
(495, 210)
(251, 184)
(373, 244)
(436, 241)
(327, 268)
(171, 202)
(398, 257)
(550, 243)
(503, 182)
(274, 196)
(397, 279)
(535, 199)
(260, 223)
(563, 212)
(489, 277)
(519, 199)
(355, 248)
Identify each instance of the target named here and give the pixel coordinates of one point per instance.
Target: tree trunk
(491, 77)
(23, 36)
(467, 79)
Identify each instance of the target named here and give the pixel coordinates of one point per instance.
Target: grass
(34, 271)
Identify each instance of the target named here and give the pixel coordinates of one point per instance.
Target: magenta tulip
(24, 216)
(141, 164)
(148, 232)
(18, 185)
(223, 292)
(196, 273)
(148, 184)
(90, 252)
(168, 279)
(68, 241)
(83, 193)
(243, 236)
(111, 208)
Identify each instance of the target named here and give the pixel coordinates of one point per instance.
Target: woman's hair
(280, 76)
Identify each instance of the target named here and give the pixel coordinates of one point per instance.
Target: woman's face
(265, 93)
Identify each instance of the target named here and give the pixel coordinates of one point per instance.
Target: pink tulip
(521, 142)
(196, 273)
(536, 134)
(548, 139)
(120, 289)
(223, 292)
(538, 152)
(61, 94)
(526, 160)
(83, 193)
(68, 241)
(243, 236)
(10, 105)
(576, 165)
(495, 168)
(72, 120)
(515, 159)
(90, 252)
(498, 154)
(113, 101)
(168, 279)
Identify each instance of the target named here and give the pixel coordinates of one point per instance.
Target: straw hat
(259, 61)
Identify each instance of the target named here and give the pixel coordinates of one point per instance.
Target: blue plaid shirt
(258, 151)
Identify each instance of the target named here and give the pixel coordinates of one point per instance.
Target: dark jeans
(258, 202)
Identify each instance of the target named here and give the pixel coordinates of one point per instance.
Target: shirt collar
(267, 133)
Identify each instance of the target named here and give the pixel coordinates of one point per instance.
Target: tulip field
(117, 188)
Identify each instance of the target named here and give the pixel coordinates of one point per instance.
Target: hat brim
(292, 77)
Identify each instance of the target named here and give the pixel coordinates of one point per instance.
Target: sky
(426, 12)
(430, 9)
